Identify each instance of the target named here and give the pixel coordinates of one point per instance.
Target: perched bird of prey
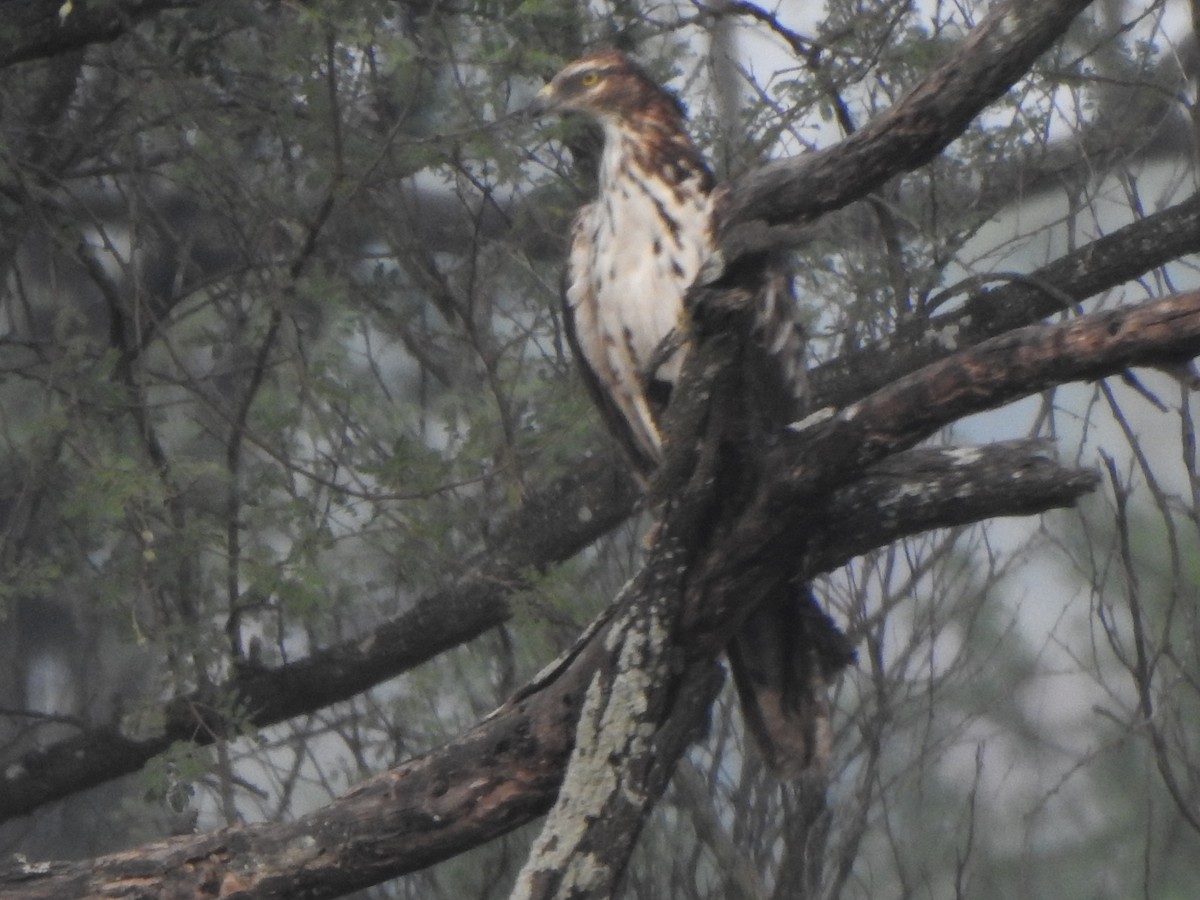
(635, 251)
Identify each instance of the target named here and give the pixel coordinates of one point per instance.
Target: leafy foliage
(280, 351)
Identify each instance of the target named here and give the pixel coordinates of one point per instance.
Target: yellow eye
(590, 79)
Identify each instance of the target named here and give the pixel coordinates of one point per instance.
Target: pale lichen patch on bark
(613, 729)
(1010, 21)
(824, 414)
(27, 868)
(963, 456)
(947, 337)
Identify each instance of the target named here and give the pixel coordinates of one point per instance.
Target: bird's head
(608, 86)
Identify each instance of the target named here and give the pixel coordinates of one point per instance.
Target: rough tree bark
(645, 667)
(1106, 262)
(768, 204)
(553, 525)
(550, 527)
(537, 538)
(271, 695)
(722, 560)
(507, 770)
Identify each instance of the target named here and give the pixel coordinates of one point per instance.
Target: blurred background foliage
(280, 350)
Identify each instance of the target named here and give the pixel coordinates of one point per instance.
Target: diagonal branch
(989, 61)
(1114, 259)
(339, 672)
(997, 371)
(552, 526)
(834, 452)
(940, 487)
(507, 770)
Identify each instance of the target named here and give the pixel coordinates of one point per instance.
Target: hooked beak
(543, 103)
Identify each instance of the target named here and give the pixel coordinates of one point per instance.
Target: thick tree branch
(940, 487)
(1114, 259)
(736, 564)
(552, 526)
(993, 56)
(36, 29)
(639, 716)
(603, 496)
(502, 773)
(1015, 364)
(834, 452)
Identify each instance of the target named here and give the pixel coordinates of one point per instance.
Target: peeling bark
(832, 453)
(625, 701)
(507, 770)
